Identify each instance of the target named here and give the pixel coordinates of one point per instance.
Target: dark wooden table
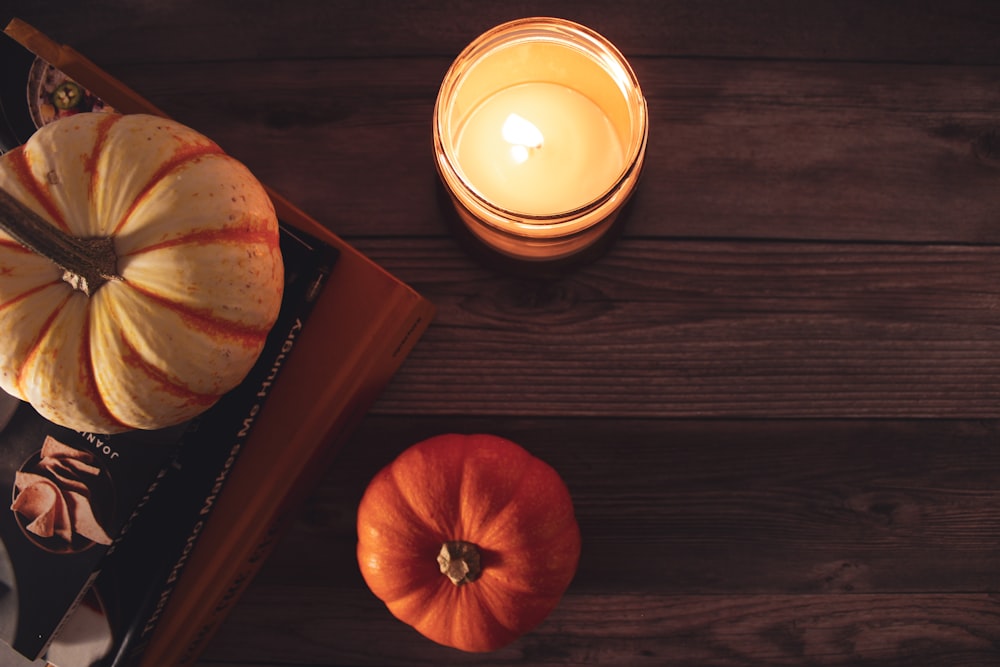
(774, 400)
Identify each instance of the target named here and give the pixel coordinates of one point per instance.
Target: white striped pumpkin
(196, 240)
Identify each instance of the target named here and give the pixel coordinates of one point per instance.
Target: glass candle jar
(540, 132)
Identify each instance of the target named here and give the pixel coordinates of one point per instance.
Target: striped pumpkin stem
(86, 263)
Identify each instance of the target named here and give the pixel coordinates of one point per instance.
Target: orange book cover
(364, 324)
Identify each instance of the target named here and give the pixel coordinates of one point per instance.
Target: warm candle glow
(519, 153)
(523, 136)
(539, 134)
(566, 156)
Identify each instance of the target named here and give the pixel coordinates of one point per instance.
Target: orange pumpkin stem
(86, 263)
(459, 561)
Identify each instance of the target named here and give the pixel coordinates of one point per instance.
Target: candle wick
(520, 131)
(519, 154)
(523, 136)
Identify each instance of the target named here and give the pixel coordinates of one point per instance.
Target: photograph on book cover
(70, 496)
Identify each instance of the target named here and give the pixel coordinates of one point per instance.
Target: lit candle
(540, 133)
(539, 148)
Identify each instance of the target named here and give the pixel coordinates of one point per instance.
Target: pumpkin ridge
(201, 319)
(418, 607)
(36, 344)
(92, 388)
(428, 514)
(102, 129)
(26, 294)
(40, 192)
(498, 597)
(241, 236)
(476, 625)
(137, 361)
(388, 524)
(184, 154)
(488, 528)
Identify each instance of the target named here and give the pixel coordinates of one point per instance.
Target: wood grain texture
(636, 629)
(733, 543)
(774, 400)
(800, 150)
(748, 507)
(687, 329)
(961, 31)
(712, 506)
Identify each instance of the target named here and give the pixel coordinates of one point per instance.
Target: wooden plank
(695, 329)
(737, 149)
(191, 31)
(717, 507)
(806, 150)
(774, 400)
(330, 626)
(743, 543)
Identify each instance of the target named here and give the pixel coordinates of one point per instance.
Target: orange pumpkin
(191, 286)
(469, 539)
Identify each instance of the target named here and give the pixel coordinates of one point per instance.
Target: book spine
(202, 467)
(381, 365)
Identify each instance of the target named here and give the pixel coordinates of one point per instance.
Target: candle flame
(523, 136)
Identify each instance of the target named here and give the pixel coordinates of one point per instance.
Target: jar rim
(560, 32)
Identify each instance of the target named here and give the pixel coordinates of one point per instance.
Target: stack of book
(146, 578)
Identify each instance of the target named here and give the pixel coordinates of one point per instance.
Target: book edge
(181, 641)
(413, 314)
